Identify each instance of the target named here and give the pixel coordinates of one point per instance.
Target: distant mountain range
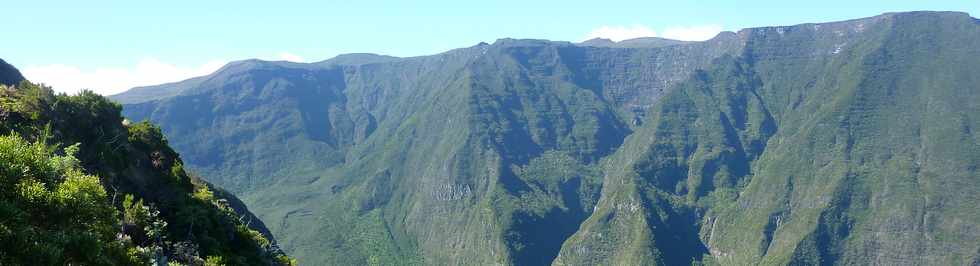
(850, 142)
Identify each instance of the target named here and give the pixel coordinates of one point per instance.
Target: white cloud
(688, 33)
(619, 33)
(291, 57)
(692, 33)
(112, 80)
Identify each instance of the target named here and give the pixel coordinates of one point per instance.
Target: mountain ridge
(368, 58)
(770, 145)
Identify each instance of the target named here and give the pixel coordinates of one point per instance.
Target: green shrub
(56, 214)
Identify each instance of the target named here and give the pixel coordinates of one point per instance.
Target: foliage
(55, 213)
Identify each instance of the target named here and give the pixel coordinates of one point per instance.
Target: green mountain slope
(797, 152)
(435, 135)
(807, 144)
(80, 186)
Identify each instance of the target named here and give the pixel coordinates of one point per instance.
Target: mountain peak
(357, 59)
(9, 75)
(948, 14)
(254, 63)
(598, 41)
(509, 42)
(642, 42)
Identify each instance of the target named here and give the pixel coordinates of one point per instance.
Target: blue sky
(110, 46)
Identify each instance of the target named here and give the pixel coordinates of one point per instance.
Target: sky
(111, 46)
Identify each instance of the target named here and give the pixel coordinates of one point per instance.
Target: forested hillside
(79, 185)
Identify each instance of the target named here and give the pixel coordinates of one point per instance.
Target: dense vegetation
(838, 143)
(78, 186)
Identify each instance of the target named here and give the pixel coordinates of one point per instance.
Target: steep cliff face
(818, 144)
(815, 143)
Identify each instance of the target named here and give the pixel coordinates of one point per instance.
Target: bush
(52, 212)
(55, 213)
